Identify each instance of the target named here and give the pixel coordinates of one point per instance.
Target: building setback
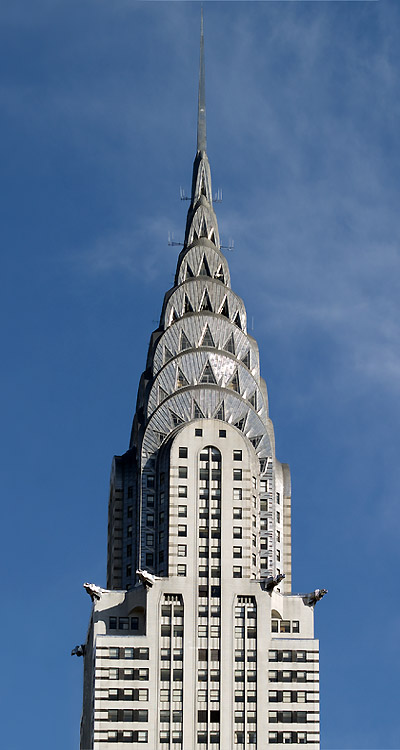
(198, 643)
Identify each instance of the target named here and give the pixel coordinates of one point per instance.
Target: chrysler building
(198, 642)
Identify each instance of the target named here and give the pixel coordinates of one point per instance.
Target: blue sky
(98, 111)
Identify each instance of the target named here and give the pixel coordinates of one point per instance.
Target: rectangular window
(182, 472)
(237, 475)
(182, 530)
(182, 490)
(237, 455)
(150, 520)
(113, 653)
(134, 623)
(182, 511)
(150, 501)
(181, 570)
(237, 552)
(150, 480)
(237, 532)
(285, 626)
(164, 695)
(113, 674)
(278, 516)
(129, 511)
(182, 550)
(183, 452)
(150, 540)
(295, 626)
(237, 513)
(237, 571)
(129, 531)
(198, 432)
(149, 559)
(237, 493)
(222, 433)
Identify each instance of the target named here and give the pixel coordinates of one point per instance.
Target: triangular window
(207, 339)
(204, 268)
(175, 419)
(162, 395)
(220, 274)
(237, 320)
(229, 345)
(255, 441)
(220, 413)
(212, 236)
(203, 229)
(253, 400)
(167, 355)
(197, 413)
(181, 380)
(246, 359)
(263, 465)
(189, 273)
(187, 307)
(208, 375)
(160, 436)
(185, 343)
(195, 235)
(224, 309)
(234, 383)
(205, 304)
(240, 424)
(203, 190)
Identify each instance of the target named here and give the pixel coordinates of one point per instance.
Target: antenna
(183, 195)
(172, 242)
(229, 247)
(217, 196)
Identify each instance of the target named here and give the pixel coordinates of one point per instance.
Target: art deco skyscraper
(198, 641)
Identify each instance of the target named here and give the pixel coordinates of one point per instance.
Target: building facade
(205, 647)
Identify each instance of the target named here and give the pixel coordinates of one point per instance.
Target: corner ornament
(311, 599)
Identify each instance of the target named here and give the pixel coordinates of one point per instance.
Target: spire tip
(201, 116)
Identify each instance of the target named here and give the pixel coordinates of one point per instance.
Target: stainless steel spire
(201, 117)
